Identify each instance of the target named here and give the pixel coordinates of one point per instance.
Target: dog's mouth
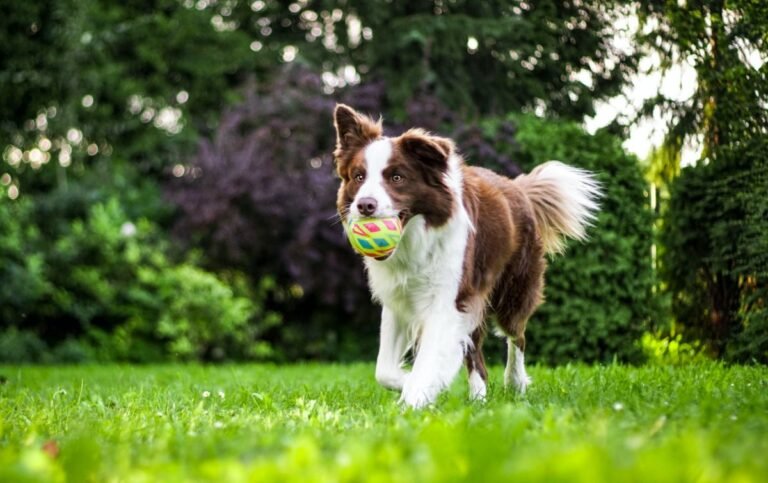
(404, 217)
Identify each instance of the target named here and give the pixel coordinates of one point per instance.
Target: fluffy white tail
(564, 202)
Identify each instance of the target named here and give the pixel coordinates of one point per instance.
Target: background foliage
(113, 286)
(715, 233)
(166, 187)
(717, 252)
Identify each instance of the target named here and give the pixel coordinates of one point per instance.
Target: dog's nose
(367, 206)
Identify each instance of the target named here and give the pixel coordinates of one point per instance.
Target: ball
(375, 237)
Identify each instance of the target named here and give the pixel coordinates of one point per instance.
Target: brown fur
(420, 159)
(504, 261)
(353, 132)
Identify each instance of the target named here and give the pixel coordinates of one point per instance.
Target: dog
(473, 242)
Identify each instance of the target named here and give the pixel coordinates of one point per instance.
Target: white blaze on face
(377, 155)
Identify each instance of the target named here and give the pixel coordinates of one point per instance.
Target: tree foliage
(107, 101)
(716, 252)
(477, 57)
(87, 79)
(714, 230)
(724, 41)
(113, 284)
(142, 78)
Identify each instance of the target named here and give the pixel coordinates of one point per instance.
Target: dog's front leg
(439, 357)
(393, 344)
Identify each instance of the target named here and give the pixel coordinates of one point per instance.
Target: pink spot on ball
(372, 227)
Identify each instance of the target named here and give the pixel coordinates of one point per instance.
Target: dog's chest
(424, 272)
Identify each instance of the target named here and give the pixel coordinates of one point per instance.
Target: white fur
(376, 156)
(477, 389)
(515, 373)
(393, 344)
(419, 284)
(564, 199)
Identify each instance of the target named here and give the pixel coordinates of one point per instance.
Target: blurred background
(167, 191)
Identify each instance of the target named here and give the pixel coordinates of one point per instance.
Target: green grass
(333, 423)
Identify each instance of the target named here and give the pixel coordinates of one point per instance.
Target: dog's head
(382, 176)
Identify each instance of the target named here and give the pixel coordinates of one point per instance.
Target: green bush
(22, 279)
(661, 348)
(715, 262)
(18, 346)
(199, 316)
(121, 279)
(598, 294)
(112, 284)
(72, 351)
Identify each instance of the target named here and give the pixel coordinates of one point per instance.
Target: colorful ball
(375, 237)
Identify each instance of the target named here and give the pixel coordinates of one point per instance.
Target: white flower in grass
(206, 394)
(218, 425)
(221, 394)
(617, 406)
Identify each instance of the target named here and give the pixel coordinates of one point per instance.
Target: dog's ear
(353, 130)
(431, 150)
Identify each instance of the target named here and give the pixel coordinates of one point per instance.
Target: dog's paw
(391, 379)
(522, 382)
(477, 387)
(416, 396)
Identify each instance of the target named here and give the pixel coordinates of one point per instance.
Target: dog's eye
(359, 177)
(396, 178)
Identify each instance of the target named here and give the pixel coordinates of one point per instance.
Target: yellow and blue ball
(375, 237)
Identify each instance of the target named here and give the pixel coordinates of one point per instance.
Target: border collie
(472, 241)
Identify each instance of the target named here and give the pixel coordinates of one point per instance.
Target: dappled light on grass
(333, 423)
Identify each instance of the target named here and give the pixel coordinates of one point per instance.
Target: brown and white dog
(473, 240)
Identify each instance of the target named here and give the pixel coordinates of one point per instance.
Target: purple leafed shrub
(260, 196)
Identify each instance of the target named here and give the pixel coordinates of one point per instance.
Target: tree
(142, 79)
(487, 57)
(716, 217)
(87, 79)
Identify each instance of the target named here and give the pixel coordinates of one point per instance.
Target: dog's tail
(564, 199)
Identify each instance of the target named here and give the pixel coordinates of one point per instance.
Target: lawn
(333, 423)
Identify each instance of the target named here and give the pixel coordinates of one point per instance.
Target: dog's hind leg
(515, 299)
(475, 362)
(514, 372)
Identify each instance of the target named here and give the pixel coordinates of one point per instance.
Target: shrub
(25, 347)
(661, 348)
(21, 346)
(122, 280)
(22, 279)
(112, 283)
(199, 316)
(715, 262)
